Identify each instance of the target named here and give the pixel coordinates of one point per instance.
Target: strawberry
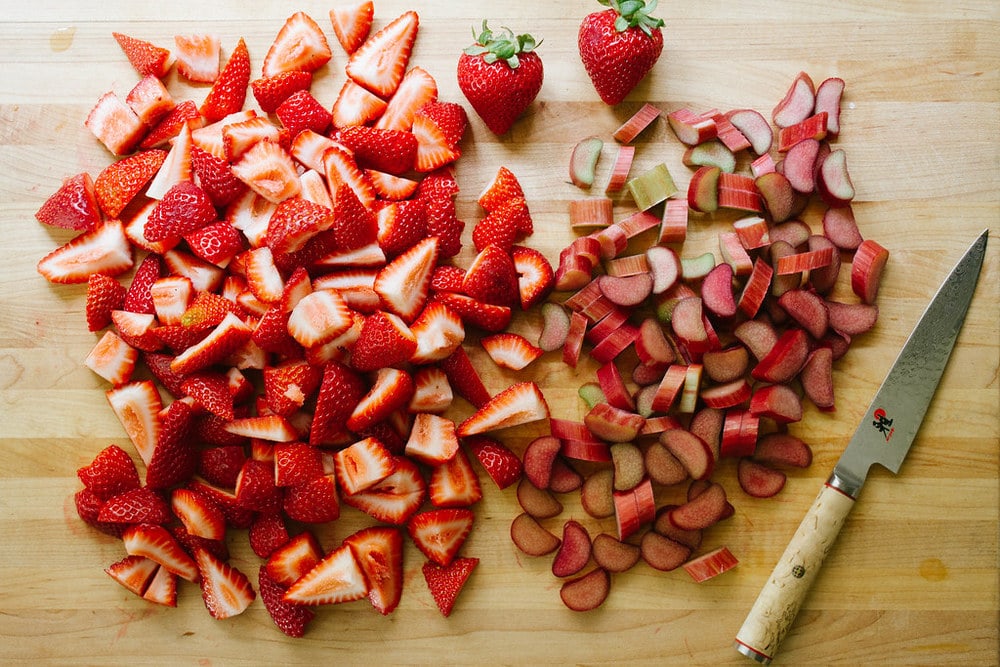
(395, 498)
(392, 389)
(290, 618)
(339, 393)
(439, 332)
(433, 148)
(390, 186)
(171, 297)
(362, 465)
(385, 340)
(619, 46)
(287, 386)
(157, 544)
(294, 222)
(238, 137)
(535, 277)
(379, 552)
(296, 463)
(353, 224)
(447, 278)
(225, 590)
(510, 220)
(137, 405)
(184, 208)
(271, 91)
(319, 317)
(341, 168)
(446, 582)
(431, 391)
(391, 151)
(519, 403)
(314, 501)
(115, 125)
(113, 359)
(380, 62)
(295, 558)
(454, 483)
(432, 439)
(138, 298)
(442, 222)
(299, 45)
(351, 23)
(221, 465)
(236, 516)
(210, 389)
(217, 242)
(473, 312)
(208, 308)
(104, 295)
(178, 337)
(356, 105)
(110, 473)
(440, 533)
(73, 206)
(150, 100)
(510, 350)
(464, 378)
(502, 188)
(401, 225)
(184, 114)
(416, 89)
(140, 505)
(404, 283)
(146, 58)
(88, 507)
(198, 57)
(450, 118)
(337, 578)
(500, 75)
(176, 167)
(104, 249)
(492, 277)
(133, 572)
(267, 534)
(268, 170)
(121, 181)
(215, 178)
(438, 183)
(301, 111)
(500, 463)
(162, 589)
(255, 488)
(222, 341)
(200, 515)
(174, 458)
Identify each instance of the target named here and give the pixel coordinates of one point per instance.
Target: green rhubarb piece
(592, 394)
(652, 187)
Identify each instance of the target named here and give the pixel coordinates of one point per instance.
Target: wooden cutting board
(913, 579)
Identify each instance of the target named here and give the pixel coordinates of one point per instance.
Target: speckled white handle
(778, 603)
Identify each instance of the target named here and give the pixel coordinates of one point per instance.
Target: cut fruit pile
(700, 360)
(292, 333)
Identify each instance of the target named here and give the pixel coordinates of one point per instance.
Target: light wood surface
(913, 578)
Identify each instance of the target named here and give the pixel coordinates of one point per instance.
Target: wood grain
(913, 578)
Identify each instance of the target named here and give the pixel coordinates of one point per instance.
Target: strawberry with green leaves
(619, 46)
(500, 75)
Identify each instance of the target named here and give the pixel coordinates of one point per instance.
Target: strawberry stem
(634, 14)
(504, 45)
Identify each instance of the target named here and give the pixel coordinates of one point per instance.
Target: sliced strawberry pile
(271, 265)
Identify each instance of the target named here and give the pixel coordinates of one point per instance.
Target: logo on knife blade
(883, 423)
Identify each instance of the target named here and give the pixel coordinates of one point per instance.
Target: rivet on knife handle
(779, 601)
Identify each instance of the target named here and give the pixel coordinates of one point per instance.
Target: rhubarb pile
(281, 325)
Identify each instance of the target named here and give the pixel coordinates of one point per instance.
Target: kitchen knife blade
(884, 436)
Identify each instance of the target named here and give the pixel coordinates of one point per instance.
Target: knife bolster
(779, 601)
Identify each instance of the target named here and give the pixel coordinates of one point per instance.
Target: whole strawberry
(500, 75)
(618, 46)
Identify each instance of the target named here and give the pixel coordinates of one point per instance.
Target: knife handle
(778, 602)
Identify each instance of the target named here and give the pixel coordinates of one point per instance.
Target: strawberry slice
(184, 208)
(198, 57)
(110, 473)
(438, 183)
(292, 619)
(296, 463)
(319, 317)
(185, 114)
(392, 390)
(104, 249)
(464, 378)
(335, 579)
(339, 393)
(104, 295)
(268, 170)
(404, 283)
(454, 483)
(271, 91)
(121, 181)
(499, 461)
(503, 226)
(401, 225)
(395, 498)
(447, 278)
(288, 563)
(150, 100)
(73, 206)
(162, 589)
(379, 552)
(510, 350)
(174, 458)
(315, 501)
(432, 439)
(445, 583)
(228, 93)
(385, 340)
(146, 57)
(439, 331)
(255, 487)
(443, 223)
(450, 118)
(288, 385)
(535, 276)
(299, 45)
(200, 514)
(301, 111)
(137, 406)
(431, 391)
(216, 243)
(175, 168)
(356, 105)
(486, 316)
(225, 590)
(157, 544)
(492, 278)
(392, 187)
(135, 506)
(224, 339)
(133, 572)
(439, 534)
(380, 62)
(352, 22)
(520, 403)
(267, 533)
(113, 359)
(363, 465)
(88, 507)
(294, 222)
(434, 150)
(416, 89)
(220, 465)
(391, 151)
(115, 125)
(210, 389)
(502, 188)
(269, 427)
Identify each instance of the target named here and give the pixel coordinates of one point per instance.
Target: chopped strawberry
(446, 582)
(319, 317)
(290, 618)
(335, 579)
(432, 439)
(416, 89)
(362, 465)
(104, 249)
(198, 57)
(88, 507)
(433, 147)
(174, 458)
(315, 501)
(339, 393)
(486, 316)
(299, 45)
(191, 543)
(215, 178)
(171, 297)
(356, 105)
(271, 91)
(104, 295)
(268, 170)
(110, 473)
(162, 589)
(503, 226)
(255, 488)
(351, 23)
(113, 359)
(404, 283)
(464, 377)
(296, 463)
(438, 183)
(390, 186)
(217, 242)
(295, 558)
(223, 340)
(157, 544)
(185, 114)
(200, 515)
(439, 332)
(510, 350)
(492, 278)
(175, 168)
(294, 222)
(353, 224)
(454, 483)
(229, 91)
(392, 389)
(141, 505)
(225, 590)
(395, 498)
(450, 118)
(210, 389)
(341, 168)
(447, 278)
(73, 206)
(391, 151)
(239, 137)
(221, 465)
(121, 181)
(442, 222)
(138, 298)
(264, 280)
(385, 340)
(381, 61)
(150, 100)
(137, 405)
(146, 58)
(518, 404)
(138, 330)
(502, 188)
(267, 534)
(440, 533)
(236, 516)
(287, 386)
(115, 125)
(184, 208)
(133, 572)
(498, 460)
(431, 391)
(535, 277)
(301, 111)
(178, 337)
(379, 552)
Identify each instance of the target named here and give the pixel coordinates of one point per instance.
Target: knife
(884, 437)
